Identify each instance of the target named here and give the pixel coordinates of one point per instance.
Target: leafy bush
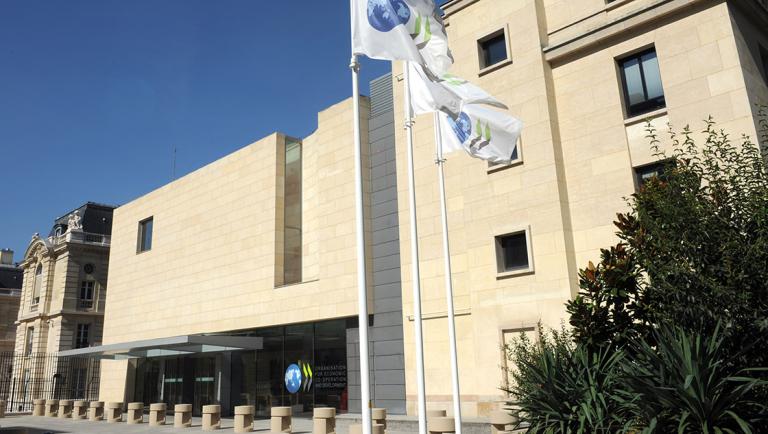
(686, 384)
(668, 329)
(558, 387)
(693, 252)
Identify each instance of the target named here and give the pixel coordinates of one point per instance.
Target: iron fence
(24, 377)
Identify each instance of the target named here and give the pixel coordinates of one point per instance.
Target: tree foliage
(693, 252)
(669, 329)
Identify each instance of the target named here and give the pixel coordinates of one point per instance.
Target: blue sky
(94, 94)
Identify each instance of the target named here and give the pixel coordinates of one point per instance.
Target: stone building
(584, 76)
(10, 295)
(62, 304)
(242, 273)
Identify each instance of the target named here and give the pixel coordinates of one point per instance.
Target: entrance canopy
(172, 346)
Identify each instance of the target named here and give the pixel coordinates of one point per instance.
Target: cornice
(606, 27)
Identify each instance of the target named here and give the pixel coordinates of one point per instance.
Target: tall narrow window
(82, 335)
(29, 340)
(38, 285)
(145, 235)
(85, 299)
(764, 59)
(641, 80)
(292, 213)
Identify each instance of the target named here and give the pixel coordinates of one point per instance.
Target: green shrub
(558, 387)
(686, 384)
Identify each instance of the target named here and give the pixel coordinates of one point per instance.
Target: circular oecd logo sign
(293, 378)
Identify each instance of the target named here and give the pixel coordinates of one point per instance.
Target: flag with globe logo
(446, 93)
(482, 132)
(401, 30)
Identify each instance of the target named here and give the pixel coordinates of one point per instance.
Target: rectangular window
(493, 49)
(29, 340)
(764, 59)
(82, 335)
(508, 339)
(292, 241)
(145, 235)
(513, 253)
(641, 81)
(85, 299)
(653, 170)
(38, 285)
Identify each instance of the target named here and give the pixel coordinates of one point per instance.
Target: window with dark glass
(82, 335)
(29, 340)
(85, 299)
(145, 235)
(764, 59)
(655, 170)
(512, 252)
(641, 81)
(493, 49)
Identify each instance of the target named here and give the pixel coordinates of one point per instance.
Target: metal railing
(85, 304)
(81, 237)
(46, 376)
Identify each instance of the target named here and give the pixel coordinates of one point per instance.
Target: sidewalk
(27, 424)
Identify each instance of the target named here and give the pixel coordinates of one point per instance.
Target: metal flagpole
(415, 278)
(440, 161)
(362, 288)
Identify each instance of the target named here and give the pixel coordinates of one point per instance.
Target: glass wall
(317, 350)
(300, 365)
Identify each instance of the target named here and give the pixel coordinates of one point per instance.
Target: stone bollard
(379, 416)
(281, 420)
(376, 428)
(79, 409)
(244, 418)
(501, 421)
(2, 408)
(324, 420)
(114, 412)
(157, 414)
(65, 409)
(96, 411)
(38, 407)
(51, 407)
(182, 415)
(135, 413)
(440, 425)
(211, 417)
(436, 413)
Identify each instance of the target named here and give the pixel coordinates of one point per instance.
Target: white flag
(401, 30)
(469, 93)
(429, 96)
(446, 93)
(482, 132)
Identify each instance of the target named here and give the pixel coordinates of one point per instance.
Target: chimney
(6, 257)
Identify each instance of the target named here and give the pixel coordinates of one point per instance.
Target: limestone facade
(10, 296)
(579, 152)
(218, 248)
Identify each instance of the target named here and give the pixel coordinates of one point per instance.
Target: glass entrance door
(205, 374)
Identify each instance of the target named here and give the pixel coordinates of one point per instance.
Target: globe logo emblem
(293, 378)
(384, 15)
(462, 127)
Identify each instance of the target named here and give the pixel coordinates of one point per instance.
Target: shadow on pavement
(25, 430)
